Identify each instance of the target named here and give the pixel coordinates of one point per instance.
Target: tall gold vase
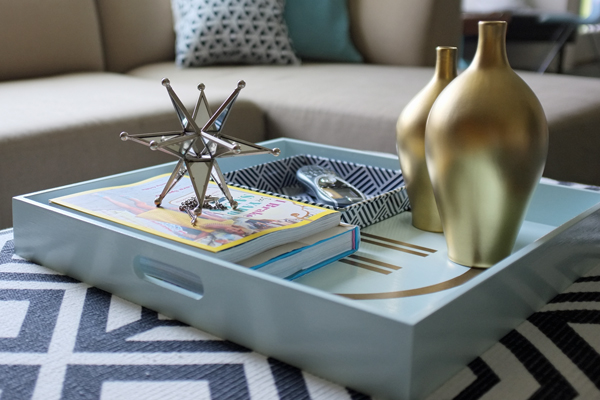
(410, 139)
(486, 143)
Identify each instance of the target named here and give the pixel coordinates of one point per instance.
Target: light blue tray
(398, 334)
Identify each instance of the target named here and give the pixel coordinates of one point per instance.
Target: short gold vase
(410, 139)
(486, 143)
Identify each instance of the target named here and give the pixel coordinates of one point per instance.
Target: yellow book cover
(257, 216)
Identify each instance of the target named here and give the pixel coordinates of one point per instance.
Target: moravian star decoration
(199, 145)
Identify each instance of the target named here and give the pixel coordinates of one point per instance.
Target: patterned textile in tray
(384, 188)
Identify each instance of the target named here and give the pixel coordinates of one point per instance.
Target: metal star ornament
(199, 144)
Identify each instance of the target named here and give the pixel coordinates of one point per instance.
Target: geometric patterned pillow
(231, 32)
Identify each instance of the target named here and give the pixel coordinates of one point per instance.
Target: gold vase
(410, 139)
(486, 143)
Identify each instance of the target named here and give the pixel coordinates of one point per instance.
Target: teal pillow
(320, 30)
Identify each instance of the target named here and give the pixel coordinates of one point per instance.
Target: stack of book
(277, 236)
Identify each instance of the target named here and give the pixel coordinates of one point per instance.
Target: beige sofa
(75, 73)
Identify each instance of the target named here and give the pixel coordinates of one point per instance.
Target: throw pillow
(231, 32)
(320, 30)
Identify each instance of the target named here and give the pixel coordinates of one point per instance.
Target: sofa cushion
(136, 32)
(231, 32)
(404, 32)
(398, 32)
(345, 104)
(357, 105)
(320, 30)
(40, 38)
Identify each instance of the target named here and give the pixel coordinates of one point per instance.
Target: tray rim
(406, 368)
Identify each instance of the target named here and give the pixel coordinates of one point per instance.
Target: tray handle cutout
(168, 277)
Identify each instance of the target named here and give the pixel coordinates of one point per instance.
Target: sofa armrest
(404, 32)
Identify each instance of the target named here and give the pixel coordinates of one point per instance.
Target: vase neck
(491, 46)
(445, 65)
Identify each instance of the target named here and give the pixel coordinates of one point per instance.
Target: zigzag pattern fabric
(554, 354)
(384, 188)
(62, 339)
(231, 32)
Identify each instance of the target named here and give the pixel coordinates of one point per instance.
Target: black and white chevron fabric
(231, 32)
(384, 188)
(554, 354)
(62, 339)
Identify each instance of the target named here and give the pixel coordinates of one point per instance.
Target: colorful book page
(215, 230)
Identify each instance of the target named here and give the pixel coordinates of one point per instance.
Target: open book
(259, 223)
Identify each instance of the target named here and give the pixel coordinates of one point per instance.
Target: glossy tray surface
(394, 321)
